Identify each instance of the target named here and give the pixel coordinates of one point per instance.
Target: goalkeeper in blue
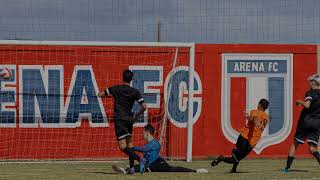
(151, 152)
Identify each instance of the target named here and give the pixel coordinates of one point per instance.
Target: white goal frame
(191, 46)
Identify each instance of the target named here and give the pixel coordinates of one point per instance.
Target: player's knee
(312, 148)
(130, 145)
(295, 144)
(122, 146)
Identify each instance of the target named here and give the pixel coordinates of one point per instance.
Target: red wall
(208, 136)
(87, 142)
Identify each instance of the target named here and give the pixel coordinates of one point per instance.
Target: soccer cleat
(131, 170)
(233, 171)
(142, 165)
(202, 170)
(285, 170)
(119, 170)
(217, 161)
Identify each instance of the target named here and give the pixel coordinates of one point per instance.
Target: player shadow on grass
(238, 172)
(298, 170)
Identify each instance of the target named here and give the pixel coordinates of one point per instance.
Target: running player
(249, 135)
(309, 122)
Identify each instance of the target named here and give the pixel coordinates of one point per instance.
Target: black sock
(131, 161)
(289, 162)
(316, 154)
(229, 160)
(234, 167)
(132, 156)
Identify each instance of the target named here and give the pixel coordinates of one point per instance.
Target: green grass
(248, 169)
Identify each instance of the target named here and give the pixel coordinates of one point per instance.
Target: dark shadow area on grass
(241, 172)
(295, 170)
(99, 172)
(298, 170)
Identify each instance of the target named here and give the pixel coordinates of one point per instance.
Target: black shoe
(233, 171)
(217, 161)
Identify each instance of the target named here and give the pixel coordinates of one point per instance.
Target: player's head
(127, 76)
(148, 131)
(263, 104)
(314, 81)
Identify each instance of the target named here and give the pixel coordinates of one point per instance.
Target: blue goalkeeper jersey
(151, 151)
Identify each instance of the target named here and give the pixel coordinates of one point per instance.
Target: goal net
(49, 108)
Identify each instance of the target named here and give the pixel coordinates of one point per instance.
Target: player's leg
(299, 138)
(122, 145)
(313, 139)
(121, 134)
(229, 160)
(291, 154)
(314, 151)
(168, 168)
(130, 145)
(124, 148)
(133, 156)
(242, 150)
(122, 130)
(161, 165)
(179, 169)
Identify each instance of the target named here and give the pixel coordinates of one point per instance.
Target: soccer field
(248, 169)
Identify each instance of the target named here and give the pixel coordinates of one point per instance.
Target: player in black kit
(124, 98)
(308, 127)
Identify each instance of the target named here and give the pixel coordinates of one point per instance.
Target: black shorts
(243, 148)
(302, 134)
(123, 129)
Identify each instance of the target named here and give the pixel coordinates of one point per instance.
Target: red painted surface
(97, 143)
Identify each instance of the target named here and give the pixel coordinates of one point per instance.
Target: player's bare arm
(246, 115)
(305, 104)
(104, 93)
(101, 94)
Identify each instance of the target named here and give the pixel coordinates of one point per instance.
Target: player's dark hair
(149, 128)
(264, 103)
(127, 76)
(314, 80)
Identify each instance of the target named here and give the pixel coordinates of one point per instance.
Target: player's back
(154, 152)
(251, 132)
(124, 98)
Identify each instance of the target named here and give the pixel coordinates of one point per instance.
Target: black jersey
(310, 117)
(313, 95)
(124, 98)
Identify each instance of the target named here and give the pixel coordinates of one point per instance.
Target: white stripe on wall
(257, 88)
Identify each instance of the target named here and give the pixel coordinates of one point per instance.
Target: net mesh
(49, 107)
